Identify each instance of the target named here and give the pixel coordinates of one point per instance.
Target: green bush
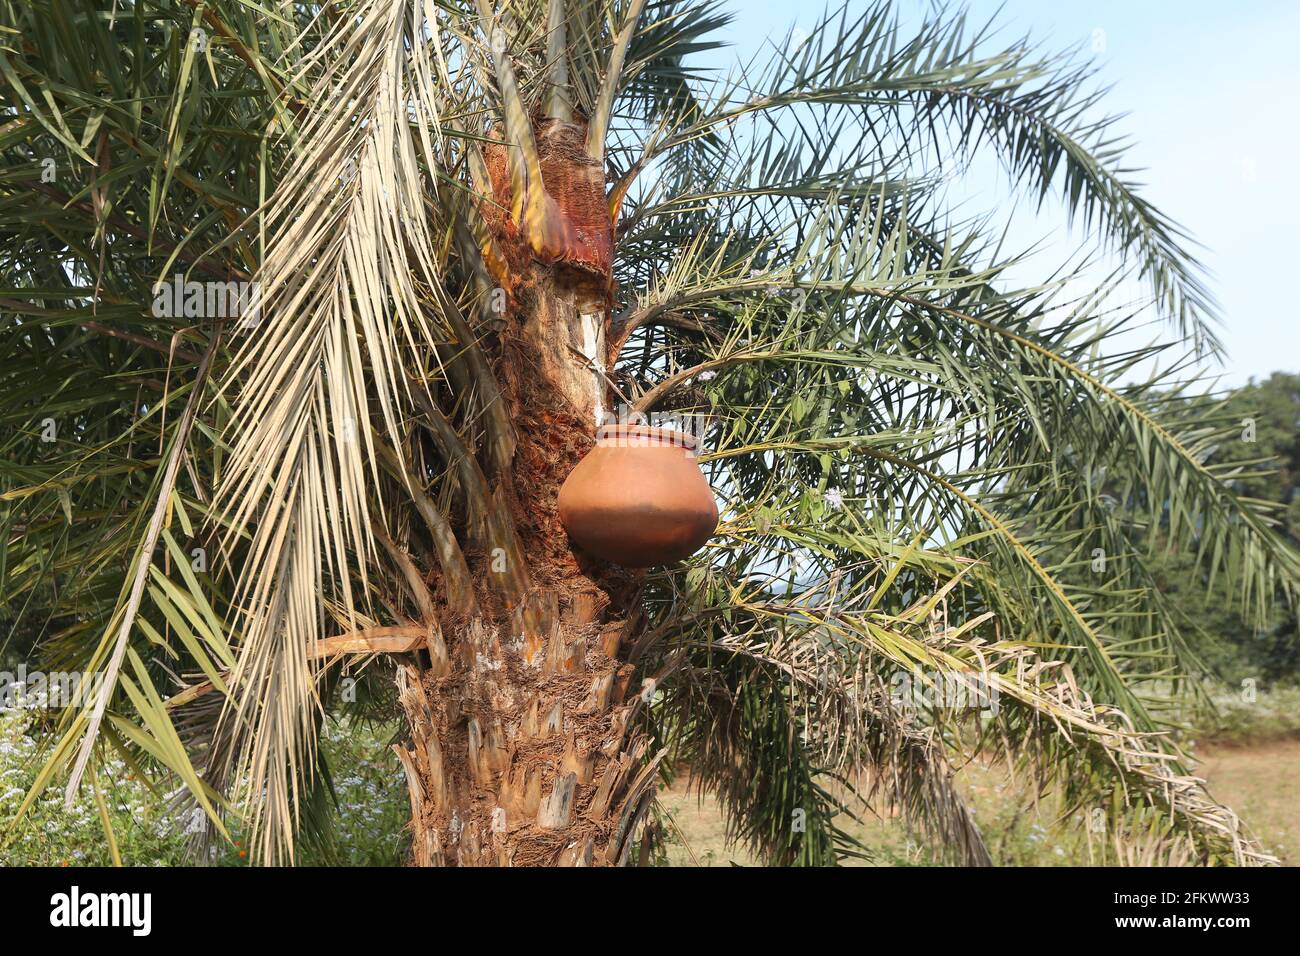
(365, 821)
(49, 835)
(1249, 715)
(361, 824)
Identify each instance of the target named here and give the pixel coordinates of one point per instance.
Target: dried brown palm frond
(348, 246)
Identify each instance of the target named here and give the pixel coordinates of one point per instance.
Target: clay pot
(639, 497)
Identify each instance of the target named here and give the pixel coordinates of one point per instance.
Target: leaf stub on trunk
(519, 762)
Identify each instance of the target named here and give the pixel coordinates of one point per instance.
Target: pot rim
(647, 434)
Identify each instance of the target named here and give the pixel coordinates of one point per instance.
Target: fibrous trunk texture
(523, 748)
(525, 762)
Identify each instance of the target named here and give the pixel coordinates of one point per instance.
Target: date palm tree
(469, 231)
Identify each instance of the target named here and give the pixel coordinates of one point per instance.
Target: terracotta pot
(639, 497)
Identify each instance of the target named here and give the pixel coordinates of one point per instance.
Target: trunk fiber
(523, 748)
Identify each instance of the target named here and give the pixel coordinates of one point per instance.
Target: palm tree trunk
(518, 762)
(522, 746)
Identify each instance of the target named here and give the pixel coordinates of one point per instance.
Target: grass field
(1260, 781)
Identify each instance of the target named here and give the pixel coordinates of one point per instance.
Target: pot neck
(644, 436)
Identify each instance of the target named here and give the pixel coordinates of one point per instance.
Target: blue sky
(1212, 93)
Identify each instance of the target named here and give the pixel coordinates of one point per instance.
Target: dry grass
(1259, 782)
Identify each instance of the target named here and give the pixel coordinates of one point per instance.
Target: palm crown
(475, 228)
